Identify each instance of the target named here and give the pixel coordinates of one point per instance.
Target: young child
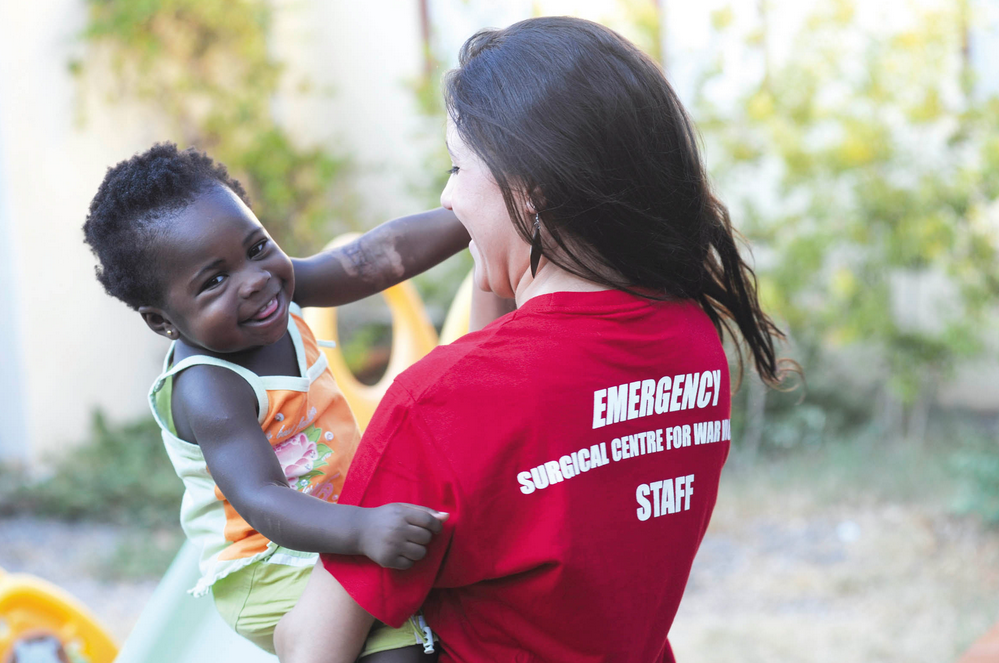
(251, 416)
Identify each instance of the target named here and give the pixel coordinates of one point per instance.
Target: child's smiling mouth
(267, 311)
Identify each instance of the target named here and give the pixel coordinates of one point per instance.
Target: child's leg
(253, 599)
(412, 654)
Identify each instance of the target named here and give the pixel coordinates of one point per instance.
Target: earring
(536, 245)
(170, 333)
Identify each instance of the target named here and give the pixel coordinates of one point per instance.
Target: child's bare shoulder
(207, 396)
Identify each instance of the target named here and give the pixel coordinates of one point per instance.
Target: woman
(577, 442)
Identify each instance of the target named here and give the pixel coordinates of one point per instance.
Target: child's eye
(257, 248)
(213, 282)
(453, 170)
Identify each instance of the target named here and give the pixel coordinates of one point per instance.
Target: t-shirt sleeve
(397, 461)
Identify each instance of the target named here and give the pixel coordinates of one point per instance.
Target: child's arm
(389, 254)
(218, 407)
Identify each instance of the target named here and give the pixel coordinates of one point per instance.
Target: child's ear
(158, 322)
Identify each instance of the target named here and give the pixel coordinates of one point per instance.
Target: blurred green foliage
(861, 167)
(366, 351)
(978, 462)
(204, 66)
(120, 474)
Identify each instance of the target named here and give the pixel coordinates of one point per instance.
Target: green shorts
(253, 599)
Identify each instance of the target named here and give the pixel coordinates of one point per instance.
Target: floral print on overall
(301, 456)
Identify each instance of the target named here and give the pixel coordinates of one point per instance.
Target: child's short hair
(133, 197)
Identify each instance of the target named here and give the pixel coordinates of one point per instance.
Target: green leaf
(309, 476)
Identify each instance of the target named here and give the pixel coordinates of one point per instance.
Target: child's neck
(276, 359)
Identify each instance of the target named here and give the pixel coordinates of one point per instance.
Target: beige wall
(75, 348)
(78, 349)
(359, 59)
(12, 433)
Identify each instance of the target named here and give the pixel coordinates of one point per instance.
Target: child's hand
(396, 535)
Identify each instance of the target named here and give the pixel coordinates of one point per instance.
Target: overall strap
(203, 360)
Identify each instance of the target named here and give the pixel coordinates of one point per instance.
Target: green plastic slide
(175, 627)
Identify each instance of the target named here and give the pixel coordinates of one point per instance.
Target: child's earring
(170, 333)
(536, 245)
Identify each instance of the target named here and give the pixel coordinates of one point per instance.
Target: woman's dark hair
(126, 215)
(576, 118)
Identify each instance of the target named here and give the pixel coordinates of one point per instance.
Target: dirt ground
(783, 575)
(792, 582)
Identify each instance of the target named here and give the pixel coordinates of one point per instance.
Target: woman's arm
(389, 254)
(325, 626)
(486, 307)
(218, 406)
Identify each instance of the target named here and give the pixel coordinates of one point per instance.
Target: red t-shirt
(577, 444)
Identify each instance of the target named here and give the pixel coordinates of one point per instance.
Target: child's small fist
(396, 535)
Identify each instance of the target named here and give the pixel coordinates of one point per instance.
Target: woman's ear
(158, 322)
(534, 201)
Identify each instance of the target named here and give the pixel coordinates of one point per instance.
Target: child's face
(228, 285)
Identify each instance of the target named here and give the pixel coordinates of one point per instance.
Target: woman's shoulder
(479, 355)
(552, 333)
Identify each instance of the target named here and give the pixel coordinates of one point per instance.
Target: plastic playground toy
(41, 623)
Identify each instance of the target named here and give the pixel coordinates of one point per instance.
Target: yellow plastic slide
(32, 610)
